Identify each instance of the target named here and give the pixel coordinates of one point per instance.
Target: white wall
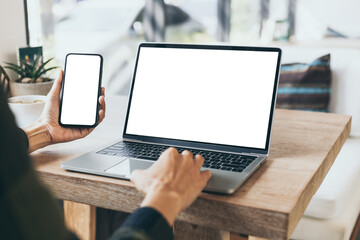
(12, 25)
(314, 16)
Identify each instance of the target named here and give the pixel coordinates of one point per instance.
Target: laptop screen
(210, 95)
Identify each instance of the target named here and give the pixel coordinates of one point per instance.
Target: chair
(4, 82)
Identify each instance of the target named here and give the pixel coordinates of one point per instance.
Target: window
(114, 28)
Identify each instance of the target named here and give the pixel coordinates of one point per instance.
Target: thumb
(55, 90)
(140, 180)
(137, 176)
(59, 82)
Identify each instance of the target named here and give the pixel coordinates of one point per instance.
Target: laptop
(217, 101)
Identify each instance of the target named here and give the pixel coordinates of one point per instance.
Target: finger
(187, 153)
(102, 102)
(199, 160)
(171, 152)
(101, 115)
(85, 131)
(102, 91)
(102, 109)
(205, 176)
(168, 158)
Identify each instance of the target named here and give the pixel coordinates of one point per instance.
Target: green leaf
(13, 65)
(30, 70)
(39, 71)
(46, 70)
(27, 68)
(15, 69)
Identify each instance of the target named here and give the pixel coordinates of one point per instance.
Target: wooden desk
(304, 145)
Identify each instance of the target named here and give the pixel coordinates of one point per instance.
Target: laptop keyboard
(215, 160)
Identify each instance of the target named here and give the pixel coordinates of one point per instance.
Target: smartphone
(81, 89)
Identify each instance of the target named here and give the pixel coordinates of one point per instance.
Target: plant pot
(19, 89)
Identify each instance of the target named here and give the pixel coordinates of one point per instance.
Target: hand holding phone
(81, 88)
(47, 128)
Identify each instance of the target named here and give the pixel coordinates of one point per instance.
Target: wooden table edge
(133, 198)
(315, 182)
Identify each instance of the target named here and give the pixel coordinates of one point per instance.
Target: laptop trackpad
(125, 168)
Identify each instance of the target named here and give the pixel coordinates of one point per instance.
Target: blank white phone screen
(79, 103)
(202, 95)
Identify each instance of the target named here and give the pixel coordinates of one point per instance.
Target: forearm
(38, 136)
(165, 201)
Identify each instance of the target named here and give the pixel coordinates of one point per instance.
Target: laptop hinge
(205, 149)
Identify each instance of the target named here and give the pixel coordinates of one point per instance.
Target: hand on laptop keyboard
(214, 160)
(172, 183)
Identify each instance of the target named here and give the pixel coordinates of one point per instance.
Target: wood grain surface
(269, 204)
(255, 238)
(80, 219)
(186, 231)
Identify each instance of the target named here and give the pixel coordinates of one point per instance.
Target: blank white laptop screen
(203, 95)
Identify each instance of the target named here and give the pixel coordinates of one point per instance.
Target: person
(28, 210)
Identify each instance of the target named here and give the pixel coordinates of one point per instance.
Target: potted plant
(32, 79)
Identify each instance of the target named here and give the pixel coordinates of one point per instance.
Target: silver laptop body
(214, 100)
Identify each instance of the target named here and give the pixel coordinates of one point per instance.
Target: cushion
(339, 184)
(345, 97)
(305, 86)
(338, 228)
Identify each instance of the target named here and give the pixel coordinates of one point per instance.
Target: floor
(238, 237)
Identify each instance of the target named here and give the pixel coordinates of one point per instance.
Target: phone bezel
(98, 95)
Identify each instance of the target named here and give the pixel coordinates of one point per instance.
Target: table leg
(185, 231)
(256, 238)
(81, 219)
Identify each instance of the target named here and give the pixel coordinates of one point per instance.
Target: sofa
(334, 209)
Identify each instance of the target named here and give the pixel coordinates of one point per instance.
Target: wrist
(169, 204)
(38, 136)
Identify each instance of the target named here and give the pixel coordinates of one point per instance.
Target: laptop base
(224, 182)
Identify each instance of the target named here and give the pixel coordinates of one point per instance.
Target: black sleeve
(23, 136)
(27, 209)
(144, 223)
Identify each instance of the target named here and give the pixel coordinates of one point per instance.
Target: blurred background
(114, 28)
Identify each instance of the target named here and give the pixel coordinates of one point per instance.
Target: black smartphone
(81, 89)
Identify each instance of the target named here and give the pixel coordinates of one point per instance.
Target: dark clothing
(27, 209)
(144, 223)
